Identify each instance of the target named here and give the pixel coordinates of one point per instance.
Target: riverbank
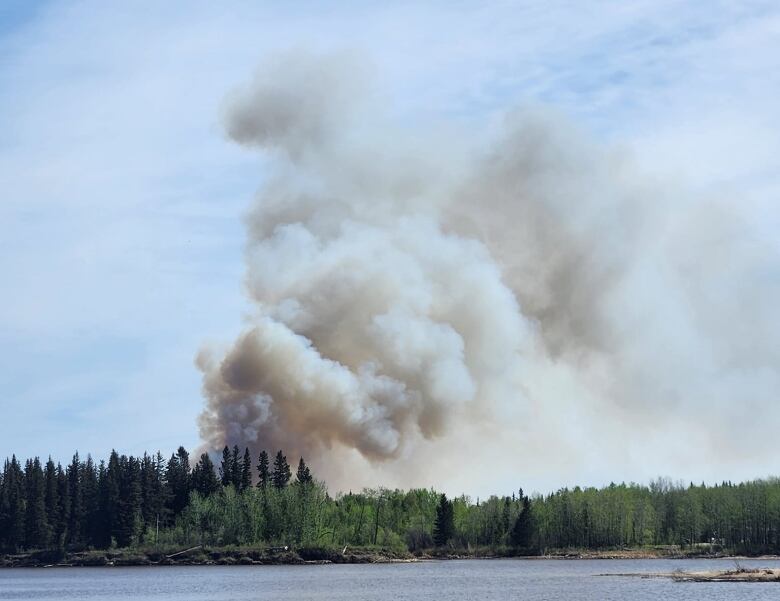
(203, 556)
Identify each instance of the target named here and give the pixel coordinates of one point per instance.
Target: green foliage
(444, 525)
(226, 468)
(37, 531)
(246, 471)
(303, 475)
(281, 474)
(204, 479)
(124, 501)
(263, 473)
(522, 532)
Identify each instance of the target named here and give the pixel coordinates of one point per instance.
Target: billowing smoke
(513, 298)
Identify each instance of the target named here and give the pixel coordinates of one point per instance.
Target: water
(478, 580)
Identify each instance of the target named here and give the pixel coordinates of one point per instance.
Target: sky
(121, 197)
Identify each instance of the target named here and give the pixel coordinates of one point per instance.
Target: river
(478, 580)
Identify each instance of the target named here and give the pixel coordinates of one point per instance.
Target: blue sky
(121, 199)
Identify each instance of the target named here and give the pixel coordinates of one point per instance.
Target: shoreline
(248, 556)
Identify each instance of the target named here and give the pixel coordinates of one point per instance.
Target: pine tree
(246, 471)
(281, 474)
(226, 469)
(36, 527)
(263, 474)
(444, 524)
(303, 475)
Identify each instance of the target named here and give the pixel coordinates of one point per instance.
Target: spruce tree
(263, 473)
(281, 474)
(36, 526)
(90, 495)
(5, 519)
(52, 501)
(112, 499)
(63, 492)
(226, 469)
(177, 476)
(75, 502)
(148, 492)
(162, 501)
(444, 524)
(13, 510)
(522, 531)
(303, 475)
(101, 535)
(246, 471)
(235, 468)
(128, 518)
(204, 478)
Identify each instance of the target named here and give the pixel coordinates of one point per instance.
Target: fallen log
(183, 552)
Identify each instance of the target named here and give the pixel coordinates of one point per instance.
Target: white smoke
(413, 293)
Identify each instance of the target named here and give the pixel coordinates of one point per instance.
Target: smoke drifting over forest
(433, 307)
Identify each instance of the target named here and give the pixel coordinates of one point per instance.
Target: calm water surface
(483, 580)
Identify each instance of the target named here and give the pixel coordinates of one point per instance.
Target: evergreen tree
(101, 537)
(522, 532)
(177, 476)
(235, 468)
(163, 499)
(128, 517)
(36, 526)
(75, 502)
(204, 478)
(303, 475)
(90, 495)
(281, 474)
(444, 524)
(149, 492)
(12, 506)
(226, 469)
(111, 499)
(263, 473)
(63, 492)
(52, 502)
(246, 471)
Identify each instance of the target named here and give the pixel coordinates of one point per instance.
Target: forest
(131, 501)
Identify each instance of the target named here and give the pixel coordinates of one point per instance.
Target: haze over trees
(133, 501)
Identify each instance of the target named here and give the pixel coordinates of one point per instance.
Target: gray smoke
(525, 290)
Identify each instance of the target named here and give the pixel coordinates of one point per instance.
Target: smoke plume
(438, 304)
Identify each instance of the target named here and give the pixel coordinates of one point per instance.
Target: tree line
(135, 501)
(120, 502)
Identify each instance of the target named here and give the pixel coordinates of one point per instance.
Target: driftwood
(183, 552)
